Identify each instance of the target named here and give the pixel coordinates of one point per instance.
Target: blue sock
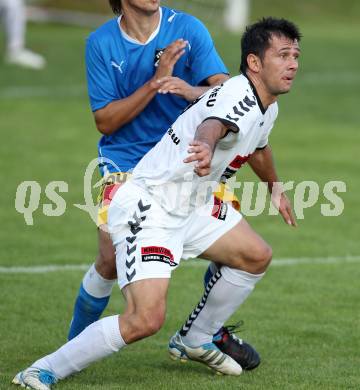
(87, 310)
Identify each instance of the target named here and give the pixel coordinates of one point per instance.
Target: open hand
(202, 153)
(169, 58)
(177, 86)
(285, 210)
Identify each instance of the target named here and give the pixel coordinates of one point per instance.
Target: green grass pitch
(303, 319)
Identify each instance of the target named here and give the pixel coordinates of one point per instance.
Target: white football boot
(35, 378)
(208, 354)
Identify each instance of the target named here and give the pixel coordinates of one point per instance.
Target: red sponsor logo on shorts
(157, 253)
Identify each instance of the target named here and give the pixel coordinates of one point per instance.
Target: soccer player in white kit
(165, 214)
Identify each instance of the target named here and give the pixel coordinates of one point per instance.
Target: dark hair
(256, 38)
(115, 6)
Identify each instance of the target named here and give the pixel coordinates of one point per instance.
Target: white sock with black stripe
(225, 292)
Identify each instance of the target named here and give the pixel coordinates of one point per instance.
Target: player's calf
(142, 323)
(95, 289)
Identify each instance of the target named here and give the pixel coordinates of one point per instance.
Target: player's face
(280, 65)
(144, 5)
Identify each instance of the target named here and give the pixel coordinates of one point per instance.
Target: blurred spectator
(14, 17)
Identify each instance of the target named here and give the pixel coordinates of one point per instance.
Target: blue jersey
(117, 66)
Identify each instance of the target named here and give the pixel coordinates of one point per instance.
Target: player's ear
(254, 63)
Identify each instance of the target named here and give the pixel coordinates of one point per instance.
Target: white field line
(29, 91)
(57, 91)
(190, 263)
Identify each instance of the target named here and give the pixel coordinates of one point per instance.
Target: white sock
(95, 342)
(95, 285)
(15, 22)
(225, 292)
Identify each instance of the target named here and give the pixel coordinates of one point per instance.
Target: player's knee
(260, 258)
(255, 261)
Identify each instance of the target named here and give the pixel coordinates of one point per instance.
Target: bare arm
(262, 163)
(120, 112)
(203, 146)
(176, 86)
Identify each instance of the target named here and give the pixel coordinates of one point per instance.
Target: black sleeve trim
(204, 82)
(226, 123)
(262, 148)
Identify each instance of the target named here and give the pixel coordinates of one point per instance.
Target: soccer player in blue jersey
(143, 67)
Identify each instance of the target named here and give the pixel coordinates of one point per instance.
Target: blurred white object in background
(26, 58)
(236, 15)
(13, 14)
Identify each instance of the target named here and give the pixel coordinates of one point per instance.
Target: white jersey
(173, 183)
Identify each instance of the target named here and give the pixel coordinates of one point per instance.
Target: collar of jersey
(133, 40)
(262, 108)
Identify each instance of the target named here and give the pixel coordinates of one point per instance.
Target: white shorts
(150, 242)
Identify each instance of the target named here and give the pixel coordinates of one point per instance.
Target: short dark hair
(256, 38)
(115, 6)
